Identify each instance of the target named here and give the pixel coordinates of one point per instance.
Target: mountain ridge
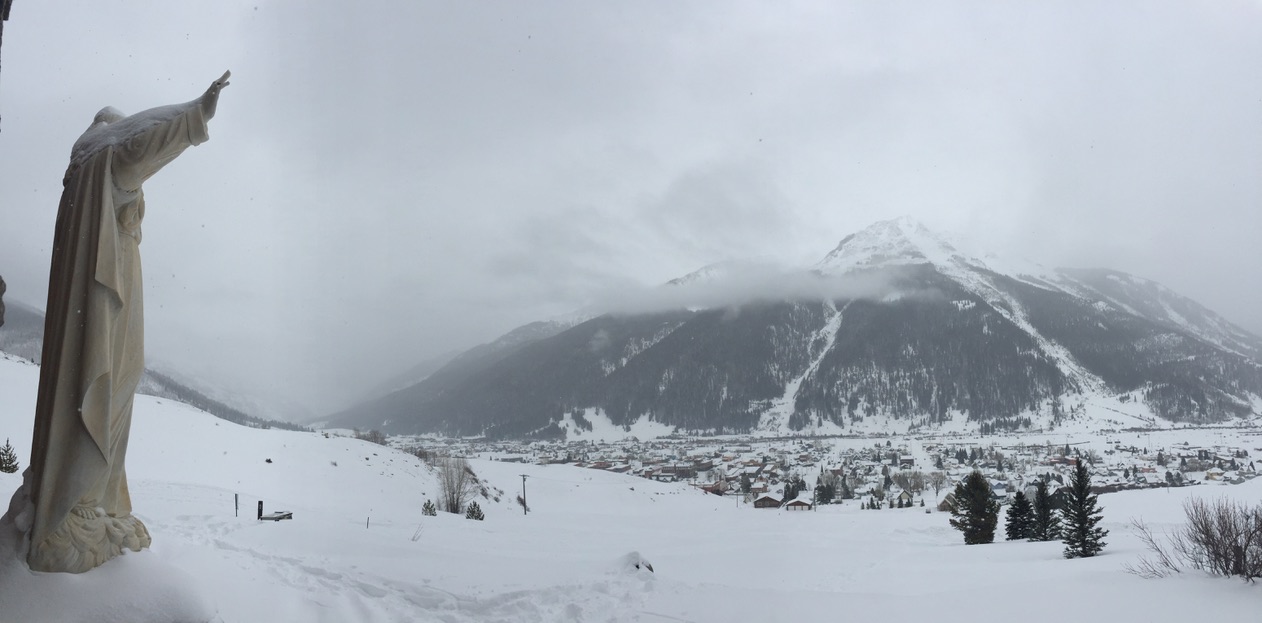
(932, 333)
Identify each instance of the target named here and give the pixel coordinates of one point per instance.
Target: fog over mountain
(895, 323)
(390, 181)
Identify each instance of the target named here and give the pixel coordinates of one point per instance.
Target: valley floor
(358, 548)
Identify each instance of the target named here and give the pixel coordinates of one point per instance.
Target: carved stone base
(144, 588)
(87, 538)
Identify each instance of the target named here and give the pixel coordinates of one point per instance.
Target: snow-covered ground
(358, 548)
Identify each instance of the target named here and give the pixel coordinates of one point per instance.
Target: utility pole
(523, 494)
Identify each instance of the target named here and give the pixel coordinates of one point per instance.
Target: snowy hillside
(359, 550)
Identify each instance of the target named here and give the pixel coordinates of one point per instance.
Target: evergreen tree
(429, 509)
(824, 494)
(1082, 537)
(974, 512)
(1045, 526)
(1020, 518)
(8, 459)
(474, 512)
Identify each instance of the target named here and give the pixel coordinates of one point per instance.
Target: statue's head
(109, 114)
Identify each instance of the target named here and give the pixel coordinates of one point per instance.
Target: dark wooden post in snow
(523, 495)
(260, 510)
(5, 5)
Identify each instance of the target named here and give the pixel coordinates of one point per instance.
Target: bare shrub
(372, 436)
(1222, 538)
(456, 483)
(937, 480)
(1164, 562)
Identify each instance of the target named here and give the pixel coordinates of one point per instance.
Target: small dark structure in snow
(634, 562)
(276, 516)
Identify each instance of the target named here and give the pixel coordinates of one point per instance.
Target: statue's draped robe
(93, 354)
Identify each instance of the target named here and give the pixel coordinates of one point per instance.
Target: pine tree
(1082, 537)
(1045, 525)
(974, 512)
(1020, 519)
(8, 459)
(474, 512)
(429, 509)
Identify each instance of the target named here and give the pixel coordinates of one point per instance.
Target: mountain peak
(899, 241)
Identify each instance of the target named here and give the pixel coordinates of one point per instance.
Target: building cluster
(920, 472)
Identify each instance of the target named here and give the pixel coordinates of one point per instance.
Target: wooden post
(523, 495)
(236, 505)
(260, 510)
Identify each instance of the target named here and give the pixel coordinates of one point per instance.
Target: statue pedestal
(86, 540)
(134, 588)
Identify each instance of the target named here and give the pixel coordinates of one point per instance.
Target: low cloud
(734, 284)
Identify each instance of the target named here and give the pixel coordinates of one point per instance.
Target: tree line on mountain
(1179, 376)
(168, 387)
(926, 357)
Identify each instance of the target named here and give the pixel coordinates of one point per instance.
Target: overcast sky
(386, 181)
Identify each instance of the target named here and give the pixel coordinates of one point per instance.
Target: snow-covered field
(358, 548)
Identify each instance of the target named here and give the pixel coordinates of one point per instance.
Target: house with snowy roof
(767, 500)
(798, 504)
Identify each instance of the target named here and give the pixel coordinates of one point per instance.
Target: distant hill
(23, 335)
(895, 322)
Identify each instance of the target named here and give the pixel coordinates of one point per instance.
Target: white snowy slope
(358, 548)
(904, 241)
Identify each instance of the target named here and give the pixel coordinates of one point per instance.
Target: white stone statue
(73, 505)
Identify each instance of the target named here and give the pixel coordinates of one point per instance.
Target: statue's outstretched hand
(210, 99)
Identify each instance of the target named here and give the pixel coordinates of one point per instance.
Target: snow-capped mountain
(898, 324)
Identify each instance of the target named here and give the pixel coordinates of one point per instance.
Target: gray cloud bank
(391, 180)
